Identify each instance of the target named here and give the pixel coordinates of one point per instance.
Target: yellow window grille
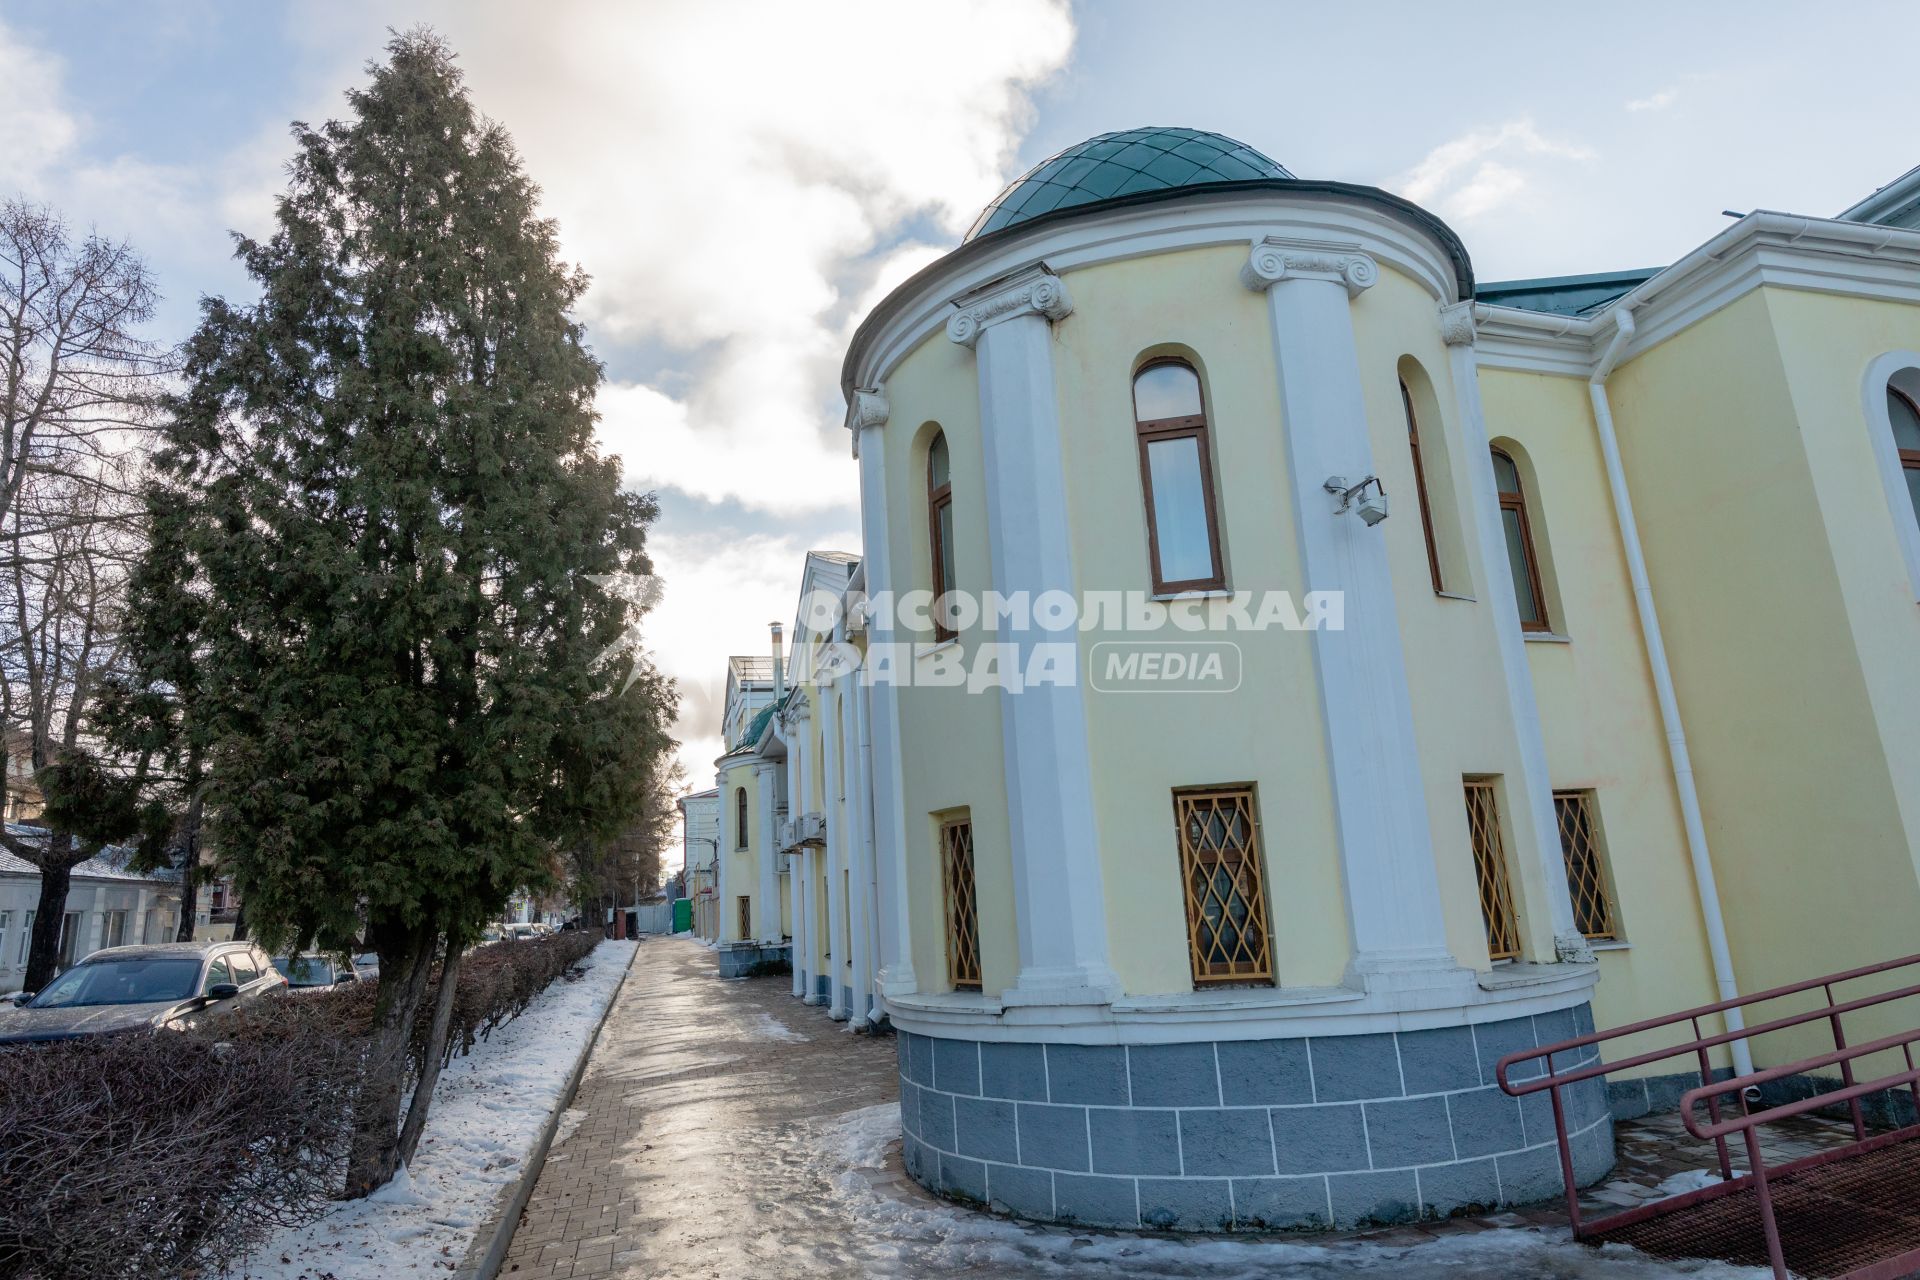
(1220, 869)
(963, 904)
(1586, 872)
(1490, 870)
(746, 918)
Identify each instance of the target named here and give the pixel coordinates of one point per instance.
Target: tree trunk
(436, 1052)
(406, 962)
(56, 877)
(240, 924)
(190, 866)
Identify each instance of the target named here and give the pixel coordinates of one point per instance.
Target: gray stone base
(1245, 1135)
(739, 959)
(1658, 1095)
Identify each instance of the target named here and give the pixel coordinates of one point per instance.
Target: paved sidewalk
(725, 1130)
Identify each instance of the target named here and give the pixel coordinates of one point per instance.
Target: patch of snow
(399, 1189)
(570, 1120)
(1681, 1183)
(906, 1235)
(489, 1109)
(767, 1027)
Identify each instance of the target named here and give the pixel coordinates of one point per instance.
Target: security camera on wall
(1373, 506)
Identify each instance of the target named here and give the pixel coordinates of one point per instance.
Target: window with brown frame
(1905, 413)
(940, 533)
(1490, 870)
(1520, 554)
(1220, 872)
(1420, 486)
(1176, 479)
(745, 905)
(1580, 846)
(739, 817)
(962, 903)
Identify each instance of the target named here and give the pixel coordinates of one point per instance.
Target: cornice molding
(1032, 290)
(1274, 259)
(1456, 324)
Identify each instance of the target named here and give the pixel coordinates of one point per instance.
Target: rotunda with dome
(1212, 958)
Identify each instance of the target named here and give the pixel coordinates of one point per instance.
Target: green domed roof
(1123, 164)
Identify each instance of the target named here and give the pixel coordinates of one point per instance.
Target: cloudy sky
(742, 180)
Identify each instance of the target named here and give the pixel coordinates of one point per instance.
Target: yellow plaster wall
(1813, 857)
(1268, 732)
(950, 739)
(1599, 719)
(742, 865)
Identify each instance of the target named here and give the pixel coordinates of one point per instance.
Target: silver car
(173, 984)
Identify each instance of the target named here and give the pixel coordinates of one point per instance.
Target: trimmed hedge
(170, 1154)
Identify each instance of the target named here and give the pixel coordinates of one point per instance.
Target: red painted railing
(1715, 1097)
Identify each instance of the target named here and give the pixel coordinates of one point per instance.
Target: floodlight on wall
(1371, 507)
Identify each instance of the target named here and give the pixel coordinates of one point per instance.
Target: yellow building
(1344, 673)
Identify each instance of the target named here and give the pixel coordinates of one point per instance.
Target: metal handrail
(1553, 1079)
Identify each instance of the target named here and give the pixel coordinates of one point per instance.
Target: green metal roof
(755, 727)
(1564, 295)
(1127, 163)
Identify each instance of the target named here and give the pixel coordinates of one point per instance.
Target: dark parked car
(171, 984)
(306, 972)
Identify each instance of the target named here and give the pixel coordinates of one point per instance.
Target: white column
(866, 416)
(796, 871)
(723, 836)
(1059, 901)
(837, 941)
(1532, 791)
(1386, 846)
(859, 847)
(766, 908)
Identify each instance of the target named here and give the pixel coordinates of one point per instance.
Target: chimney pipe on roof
(779, 667)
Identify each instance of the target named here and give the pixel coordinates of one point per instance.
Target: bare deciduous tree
(76, 385)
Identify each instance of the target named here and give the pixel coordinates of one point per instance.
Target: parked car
(304, 973)
(520, 932)
(173, 984)
(367, 965)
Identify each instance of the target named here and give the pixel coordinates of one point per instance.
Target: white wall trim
(1119, 234)
(1270, 1013)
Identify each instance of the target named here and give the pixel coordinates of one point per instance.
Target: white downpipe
(1656, 646)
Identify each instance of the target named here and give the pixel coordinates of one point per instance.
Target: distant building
(107, 906)
(700, 849)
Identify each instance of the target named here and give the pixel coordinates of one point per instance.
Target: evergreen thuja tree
(383, 518)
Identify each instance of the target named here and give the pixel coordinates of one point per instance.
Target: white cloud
(1654, 101)
(722, 589)
(35, 130)
(727, 173)
(1481, 171)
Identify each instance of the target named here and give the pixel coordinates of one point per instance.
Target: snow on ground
(767, 1027)
(488, 1111)
(1681, 1183)
(921, 1238)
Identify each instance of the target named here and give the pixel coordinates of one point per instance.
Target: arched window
(1176, 476)
(1905, 414)
(739, 817)
(940, 532)
(1420, 486)
(1520, 555)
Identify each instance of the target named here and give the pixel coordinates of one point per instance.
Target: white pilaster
(766, 906)
(1059, 900)
(723, 838)
(866, 416)
(831, 808)
(859, 845)
(1532, 791)
(1386, 847)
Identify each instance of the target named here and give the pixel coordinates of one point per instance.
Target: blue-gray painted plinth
(1247, 1135)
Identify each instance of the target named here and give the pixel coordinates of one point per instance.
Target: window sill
(923, 650)
(1545, 637)
(1610, 946)
(1212, 593)
(1455, 595)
